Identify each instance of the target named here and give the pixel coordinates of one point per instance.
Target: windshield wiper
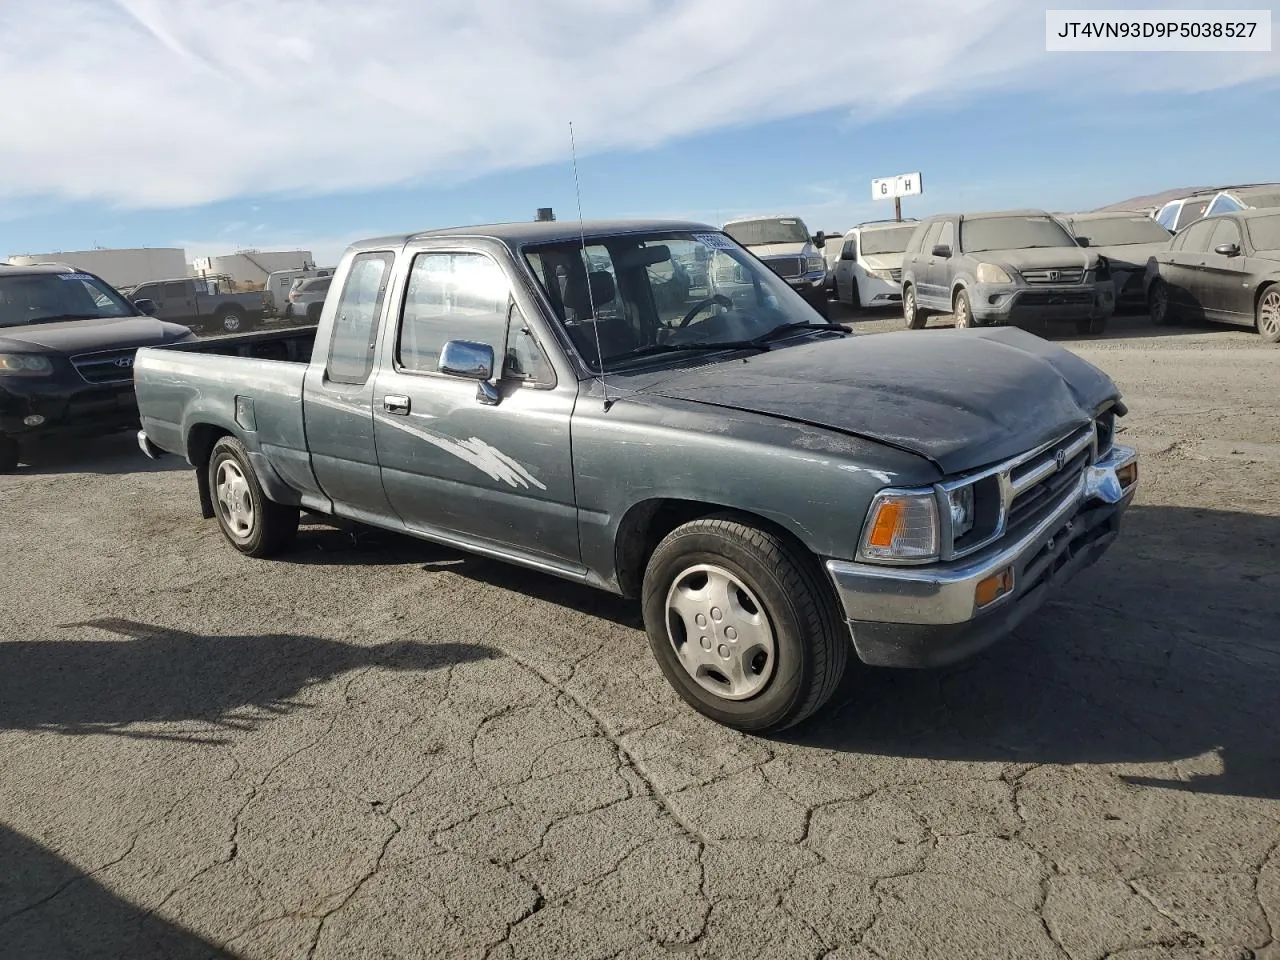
(58, 317)
(776, 332)
(656, 348)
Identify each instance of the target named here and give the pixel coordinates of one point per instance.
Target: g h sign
(903, 185)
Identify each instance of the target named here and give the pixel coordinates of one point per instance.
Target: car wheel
(232, 321)
(911, 312)
(313, 312)
(8, 455)
(962, 311)
(1268, 315)
(252, 524)
(742, 624)
(1158, 307)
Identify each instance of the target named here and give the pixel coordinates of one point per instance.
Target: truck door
(484, 463)
(338, 396)
(175, 301)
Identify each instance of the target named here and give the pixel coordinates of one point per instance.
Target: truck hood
(1131, 254)
(87, 336)
(962, 399)
(766, 250)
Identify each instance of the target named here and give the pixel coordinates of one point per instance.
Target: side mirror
(146, 306)
(1082, 241)
(820, 239)
(1227, 250)
(942, 250)
(471, 361)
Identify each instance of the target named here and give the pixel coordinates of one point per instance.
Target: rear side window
(174, 291)
(451, 296)
(355, 323)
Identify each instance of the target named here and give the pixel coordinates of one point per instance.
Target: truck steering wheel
(719, 298)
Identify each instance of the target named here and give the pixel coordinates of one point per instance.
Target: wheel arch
(201, 438)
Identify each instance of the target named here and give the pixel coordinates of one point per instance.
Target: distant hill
(1157, 199)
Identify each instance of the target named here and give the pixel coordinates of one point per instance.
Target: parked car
(869, 270)
(67, 341)
(276, 291)
(203, 303)
(306, 298)
(1224, 268)
(1255, 197)
(1128, 240)
(1004, 267)
(1177, 214)
(787, 248)
(776, 492)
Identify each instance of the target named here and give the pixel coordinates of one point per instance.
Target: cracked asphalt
(375, 747)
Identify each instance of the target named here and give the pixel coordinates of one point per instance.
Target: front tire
(962, 310)
(1267, 315)
(915, 317)
(254, 525)
(742, 624)
(1159, 308)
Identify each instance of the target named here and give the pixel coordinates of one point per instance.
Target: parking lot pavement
(375, 747)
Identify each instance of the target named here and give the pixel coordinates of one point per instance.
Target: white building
(120, 268)
(252, 267)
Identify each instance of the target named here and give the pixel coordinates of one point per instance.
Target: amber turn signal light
(992, 588)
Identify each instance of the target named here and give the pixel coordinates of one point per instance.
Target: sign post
(902, 185)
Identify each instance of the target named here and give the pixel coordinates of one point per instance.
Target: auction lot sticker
(1239, 31)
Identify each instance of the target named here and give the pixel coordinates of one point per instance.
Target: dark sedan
(67, 341)
(1128, 240)
(1224, 268)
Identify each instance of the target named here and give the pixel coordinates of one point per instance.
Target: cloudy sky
(225, 124)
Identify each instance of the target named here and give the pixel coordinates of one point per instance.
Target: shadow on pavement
(115, 453)
(1168, 649)
(159, 675)
(50, 910)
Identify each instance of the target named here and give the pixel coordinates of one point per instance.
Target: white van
(868, 272)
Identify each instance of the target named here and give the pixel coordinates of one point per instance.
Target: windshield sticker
(715, 241)
(74, 276)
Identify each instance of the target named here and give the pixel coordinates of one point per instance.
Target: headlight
(24, 365)
(990, 273)
(816, 263)
(961, 501)
(881, 274)
(901, 526)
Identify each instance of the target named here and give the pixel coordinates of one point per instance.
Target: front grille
(110, 366)
(1039, 485)
(786, 266)
(1054, 275)
(1052, 298)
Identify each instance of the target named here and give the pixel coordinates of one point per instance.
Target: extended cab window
(355, 323)
(451, 296)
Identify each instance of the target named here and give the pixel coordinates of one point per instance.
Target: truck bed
(244, 382)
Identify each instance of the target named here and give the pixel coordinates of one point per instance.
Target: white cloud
(155, 103)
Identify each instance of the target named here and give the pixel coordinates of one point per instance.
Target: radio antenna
(586, 266)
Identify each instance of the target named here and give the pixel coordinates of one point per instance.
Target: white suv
(868, 272)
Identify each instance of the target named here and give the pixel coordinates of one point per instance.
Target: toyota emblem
(123, 362)
(1060, 458)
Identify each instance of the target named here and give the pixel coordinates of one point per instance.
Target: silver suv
(306, 299)
(1005, 267)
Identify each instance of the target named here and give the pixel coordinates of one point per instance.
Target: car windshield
(1264, 232)
(758, 233)
(630, 297)
(45, 297)
(1119, 231)
(1012, 233)
(886, 240)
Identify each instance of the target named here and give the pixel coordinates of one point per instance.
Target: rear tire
(1267, 314)
(775, 620)
(912, 313)
(8, 455)
(313, 312)
(233, 320)
(254, 525)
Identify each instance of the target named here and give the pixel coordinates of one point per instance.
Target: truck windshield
(758, 233)
(886, 240)
(1012, 233)
(47, 297)
(630, 297)
(1119, 231)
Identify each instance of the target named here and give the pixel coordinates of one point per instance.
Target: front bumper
(46, 407)
(927, 616)
(1005, 303)
(812, 287)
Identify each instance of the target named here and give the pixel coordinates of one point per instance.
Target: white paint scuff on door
(476, 452)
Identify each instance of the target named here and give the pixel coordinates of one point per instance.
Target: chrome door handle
(393, 403)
